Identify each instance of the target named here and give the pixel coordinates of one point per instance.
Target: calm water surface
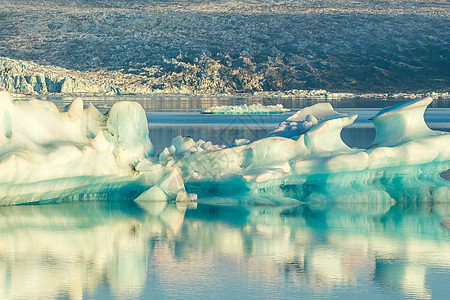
(172, 116)
(124, 250)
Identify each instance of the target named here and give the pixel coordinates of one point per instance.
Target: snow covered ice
(256, 108)
(81, 154)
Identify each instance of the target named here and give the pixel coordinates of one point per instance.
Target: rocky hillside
(224, 46)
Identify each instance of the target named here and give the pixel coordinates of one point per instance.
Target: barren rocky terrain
(224, 46)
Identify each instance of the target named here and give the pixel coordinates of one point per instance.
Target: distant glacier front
(48, 155)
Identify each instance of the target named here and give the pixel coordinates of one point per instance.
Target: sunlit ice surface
(79, 153)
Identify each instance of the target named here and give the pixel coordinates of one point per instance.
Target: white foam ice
(47, 155)
(256, 108)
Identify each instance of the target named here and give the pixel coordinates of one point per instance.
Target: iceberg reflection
(70, 249)
(81, 249)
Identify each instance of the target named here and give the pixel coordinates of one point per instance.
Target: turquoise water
(223, 248)
(124, 250)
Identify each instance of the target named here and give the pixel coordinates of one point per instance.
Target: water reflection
(191, 104)
(126, 250)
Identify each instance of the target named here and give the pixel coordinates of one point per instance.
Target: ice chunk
(164, 155)
(239, 142)
(293, 159)
(23, 123)
(183, 144)
(207, 146)
(155, 193)
(402, 122)
(192, 197)
(172, 184)
(304, 119)
(182, 196)
(126, 130)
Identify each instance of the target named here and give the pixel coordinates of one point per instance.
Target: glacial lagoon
(219, 247)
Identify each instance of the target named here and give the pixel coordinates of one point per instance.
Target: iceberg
(305, 158)
(256, 108)
(47, 155)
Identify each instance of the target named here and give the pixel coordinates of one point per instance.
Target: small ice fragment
(239, 142)
(192, 197)
(207, 146)
(172, 184)
(172, 150)
(183, 144)
(155, 193)
(182, 196)
(163, 156)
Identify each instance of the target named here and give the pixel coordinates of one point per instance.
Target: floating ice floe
(80, 154)
(305, 159)
(256, 108)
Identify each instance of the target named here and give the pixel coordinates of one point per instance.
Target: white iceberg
(80, 154)
(46, 154)
(306, 152)
(309, 142)
(256, 108)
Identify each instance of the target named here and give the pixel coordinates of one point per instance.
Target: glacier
(48, 155)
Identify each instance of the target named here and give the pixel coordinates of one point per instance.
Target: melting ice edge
(49, 156)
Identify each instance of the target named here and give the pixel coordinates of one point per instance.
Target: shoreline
(26, 78)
